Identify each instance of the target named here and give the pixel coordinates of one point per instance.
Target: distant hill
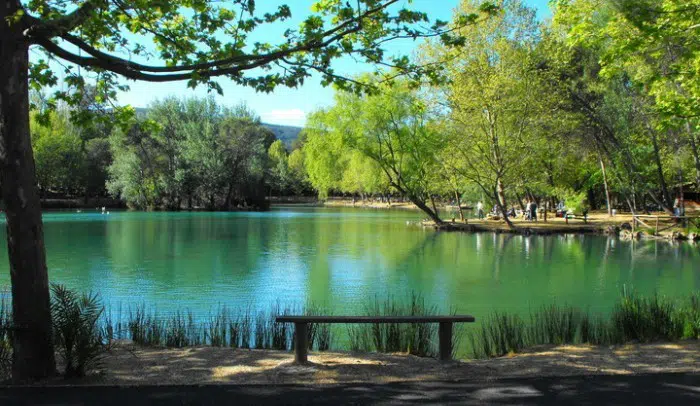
(286, 133)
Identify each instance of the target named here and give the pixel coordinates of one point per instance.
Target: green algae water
(342, 259)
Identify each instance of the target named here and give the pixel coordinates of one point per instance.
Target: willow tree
(395, 129)
(188, 40)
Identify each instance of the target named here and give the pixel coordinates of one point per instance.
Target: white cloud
(289, 117)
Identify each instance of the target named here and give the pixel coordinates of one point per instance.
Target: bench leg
(301, 344)
(445, 336)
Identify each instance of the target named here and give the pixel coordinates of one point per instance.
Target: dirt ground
(127, 364)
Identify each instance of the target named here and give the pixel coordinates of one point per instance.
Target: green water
(342, 258)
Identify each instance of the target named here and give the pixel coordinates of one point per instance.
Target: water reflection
(343, 258)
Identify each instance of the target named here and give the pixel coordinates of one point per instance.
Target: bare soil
(126, 364)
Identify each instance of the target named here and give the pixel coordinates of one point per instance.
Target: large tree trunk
(427, 210)
(33, 356)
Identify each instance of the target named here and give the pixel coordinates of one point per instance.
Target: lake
(342, 259)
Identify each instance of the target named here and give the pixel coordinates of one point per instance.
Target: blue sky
(290, 106)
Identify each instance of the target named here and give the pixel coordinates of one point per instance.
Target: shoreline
(612, 229)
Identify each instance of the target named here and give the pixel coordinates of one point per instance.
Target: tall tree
(196, 41)
(394, 129)
(493, 99)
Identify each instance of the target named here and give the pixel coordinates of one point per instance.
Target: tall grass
(633, 319)
(692, 317)
(319, 335)
(5, 338)
(221, 329)
(414, 338)
(84, 328)
(643, 319)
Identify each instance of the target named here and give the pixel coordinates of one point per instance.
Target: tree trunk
(33, 355)
(631, 206)
(427, 210)
(501, 201)
(605, 183)
(229, 192)
(459, 206)
(432, 201)
(666, 197)
(546, 205)
(520, 202)
(695, 152)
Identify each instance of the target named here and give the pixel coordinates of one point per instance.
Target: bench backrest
(376, 319)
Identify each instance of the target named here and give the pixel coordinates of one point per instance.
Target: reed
(5, 338)
(643, 319)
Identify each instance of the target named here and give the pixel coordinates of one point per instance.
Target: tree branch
(127, 70)
(63, 24)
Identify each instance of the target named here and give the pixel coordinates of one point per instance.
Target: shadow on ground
(647, 389)
(209, 365)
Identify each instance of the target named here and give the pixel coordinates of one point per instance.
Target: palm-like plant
(76, 330)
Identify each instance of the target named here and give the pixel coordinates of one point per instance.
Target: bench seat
(301, 328)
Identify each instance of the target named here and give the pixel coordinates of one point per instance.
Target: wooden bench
(568, 216)
(301, 328)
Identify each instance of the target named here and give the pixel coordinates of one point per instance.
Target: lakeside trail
(127, 364)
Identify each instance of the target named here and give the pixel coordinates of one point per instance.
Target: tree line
(598, 107)
(180, 154)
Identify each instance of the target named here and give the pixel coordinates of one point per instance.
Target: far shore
(128, 364)
(597, 222)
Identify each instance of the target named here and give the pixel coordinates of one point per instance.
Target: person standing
(480, 210)
(677, 207)
(528, 211)
(533, 211)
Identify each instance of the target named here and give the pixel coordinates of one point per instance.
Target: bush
(77, 334)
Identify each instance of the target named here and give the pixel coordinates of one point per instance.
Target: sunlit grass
(633, 319)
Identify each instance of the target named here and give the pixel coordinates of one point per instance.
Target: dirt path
(130, 365)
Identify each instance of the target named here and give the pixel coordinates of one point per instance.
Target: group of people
(529, 214)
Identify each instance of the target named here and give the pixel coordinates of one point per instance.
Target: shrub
(75, 324)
